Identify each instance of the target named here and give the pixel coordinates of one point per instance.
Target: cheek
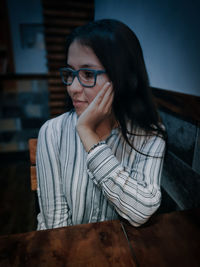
(91, 93)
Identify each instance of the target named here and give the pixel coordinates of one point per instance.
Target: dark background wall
(26, 26)
(169, 35)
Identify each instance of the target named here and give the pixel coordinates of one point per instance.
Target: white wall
(27, 60)
(169, 32)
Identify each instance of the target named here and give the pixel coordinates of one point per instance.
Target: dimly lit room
(99, 133)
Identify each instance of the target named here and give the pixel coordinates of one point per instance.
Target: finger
(107, 105)
(108, 98)
(101, 94)
(105, 88)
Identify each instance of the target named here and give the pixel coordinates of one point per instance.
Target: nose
(75, 87)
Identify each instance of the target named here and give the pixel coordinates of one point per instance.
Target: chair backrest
(32, 151)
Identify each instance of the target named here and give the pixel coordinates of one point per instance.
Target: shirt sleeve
(54, 210)
(135, 192)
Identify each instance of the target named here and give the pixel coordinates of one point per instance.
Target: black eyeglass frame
(76, 74)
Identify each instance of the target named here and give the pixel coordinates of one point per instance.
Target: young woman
(102, 159)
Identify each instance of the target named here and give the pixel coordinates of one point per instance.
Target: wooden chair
(32, 151)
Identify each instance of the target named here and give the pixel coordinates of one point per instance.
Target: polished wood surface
(97, 244)
(171, 239)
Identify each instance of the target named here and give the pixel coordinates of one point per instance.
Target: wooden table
(166, 240)
(171, 240)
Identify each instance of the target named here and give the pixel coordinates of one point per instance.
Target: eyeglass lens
(86, 77)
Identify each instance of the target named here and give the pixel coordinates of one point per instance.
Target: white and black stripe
(75, 187)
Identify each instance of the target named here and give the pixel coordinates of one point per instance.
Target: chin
(79, 111)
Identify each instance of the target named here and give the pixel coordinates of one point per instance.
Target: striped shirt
(75, 187)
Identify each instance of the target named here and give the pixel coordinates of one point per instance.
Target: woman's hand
(97, 111)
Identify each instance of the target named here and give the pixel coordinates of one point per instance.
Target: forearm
(135, 199)
(88, 137)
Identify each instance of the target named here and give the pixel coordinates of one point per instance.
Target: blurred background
(32, 48)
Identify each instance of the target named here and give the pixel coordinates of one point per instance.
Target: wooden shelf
(14, 76)
(59, 4)
(63, 23)
(67, 14)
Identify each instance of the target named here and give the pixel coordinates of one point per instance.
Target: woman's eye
(69, 74)
(88, 74)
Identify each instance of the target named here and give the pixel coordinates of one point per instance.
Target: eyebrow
(84, 66)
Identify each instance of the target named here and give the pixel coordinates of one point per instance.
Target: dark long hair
(119, 51)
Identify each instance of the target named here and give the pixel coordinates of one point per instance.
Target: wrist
(96, 145)
(87, 136)
(83, 129)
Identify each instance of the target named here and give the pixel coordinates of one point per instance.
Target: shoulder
(55, 126)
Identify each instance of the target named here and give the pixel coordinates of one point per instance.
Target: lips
(78, 103)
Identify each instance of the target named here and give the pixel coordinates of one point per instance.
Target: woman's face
(80, 56)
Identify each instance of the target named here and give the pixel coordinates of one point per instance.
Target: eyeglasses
(87, 77)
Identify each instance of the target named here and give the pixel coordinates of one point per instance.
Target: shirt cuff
(101, 163)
